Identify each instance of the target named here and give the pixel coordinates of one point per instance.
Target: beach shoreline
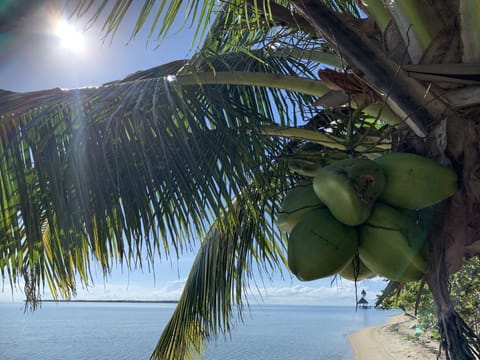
(396, 340)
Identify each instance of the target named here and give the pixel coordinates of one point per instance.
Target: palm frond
(162, 15)
(218, 278)
(119, 169)
(159, 15)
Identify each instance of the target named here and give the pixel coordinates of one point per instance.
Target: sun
(70, 38)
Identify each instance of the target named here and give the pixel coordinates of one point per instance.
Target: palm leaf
(164, 14)
(136, 135)
(162, 168)
(219, 274)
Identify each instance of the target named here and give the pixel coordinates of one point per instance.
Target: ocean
(91, 331)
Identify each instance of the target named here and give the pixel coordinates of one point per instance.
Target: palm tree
(199, 149)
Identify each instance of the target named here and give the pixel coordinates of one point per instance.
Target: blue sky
(33, 58)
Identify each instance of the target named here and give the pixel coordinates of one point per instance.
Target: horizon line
(111, 301)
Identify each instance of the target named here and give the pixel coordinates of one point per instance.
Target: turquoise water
(130, 331)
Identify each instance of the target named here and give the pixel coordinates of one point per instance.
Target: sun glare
(69, 37)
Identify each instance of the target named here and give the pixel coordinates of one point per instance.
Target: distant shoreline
(111, 301)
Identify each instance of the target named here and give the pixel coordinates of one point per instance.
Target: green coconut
(392, 244)
(320, 246)
(297, 202)
(349, 188)
(356, 270)
(415, 182)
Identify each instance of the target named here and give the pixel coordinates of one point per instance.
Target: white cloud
(341, 292)
(170, 290)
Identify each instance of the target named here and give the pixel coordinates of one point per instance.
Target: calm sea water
(94, 331)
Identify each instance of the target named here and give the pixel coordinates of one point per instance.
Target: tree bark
(408, 98)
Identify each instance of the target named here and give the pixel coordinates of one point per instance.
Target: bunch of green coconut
(359, 218)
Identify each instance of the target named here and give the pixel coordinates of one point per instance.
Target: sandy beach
(393, 341)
